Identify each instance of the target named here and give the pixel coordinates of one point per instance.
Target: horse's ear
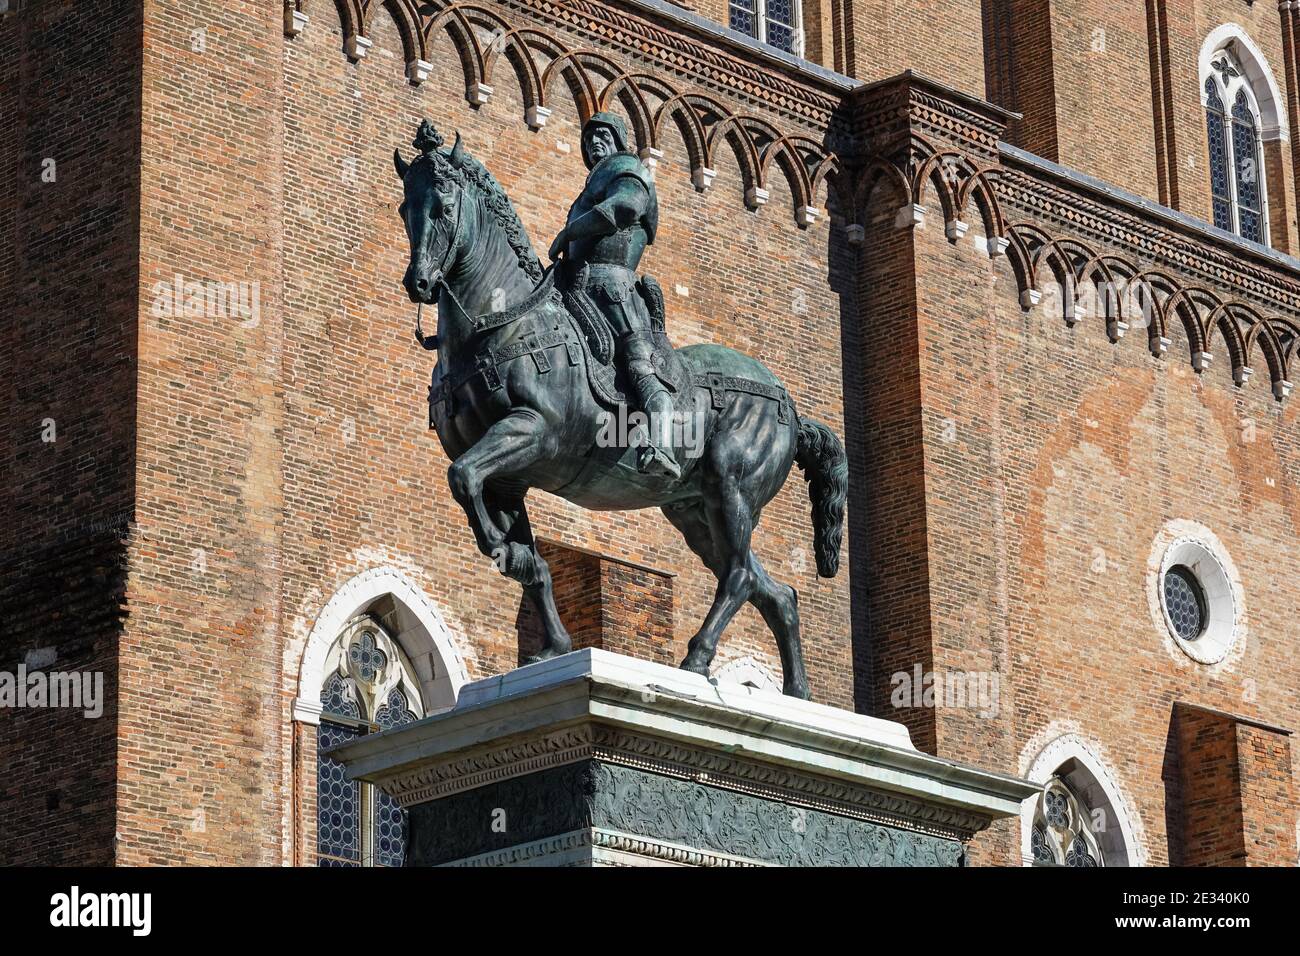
(400, 164)
(458, 152)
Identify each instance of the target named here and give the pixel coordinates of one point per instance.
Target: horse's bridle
(441, 281)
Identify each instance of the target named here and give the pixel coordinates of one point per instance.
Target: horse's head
(431, 210)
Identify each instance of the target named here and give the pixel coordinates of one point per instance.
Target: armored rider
(608, 228)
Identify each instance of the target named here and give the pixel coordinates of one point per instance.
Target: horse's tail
(821, 458)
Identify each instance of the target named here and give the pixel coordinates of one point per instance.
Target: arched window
(369, 686)
(1233, 128)
(775, 22)
(1080, 817)
(1062, 830)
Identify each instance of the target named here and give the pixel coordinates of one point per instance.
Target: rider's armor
(620, 191)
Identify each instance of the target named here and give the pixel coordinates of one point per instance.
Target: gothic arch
(1260, 78)
(417, 625)
(1081, 759)
(594, 80)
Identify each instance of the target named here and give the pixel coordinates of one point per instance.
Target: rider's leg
(653, 398)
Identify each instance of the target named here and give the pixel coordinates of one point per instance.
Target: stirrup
(656, 461)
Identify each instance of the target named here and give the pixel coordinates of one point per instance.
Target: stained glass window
(390, 818)
(1236, 170)
(780, 24)
(744, 16)
(371, 687)
(1245, 153)
(1185, 602)
(338, 800)
(1062, 828)
(1220, 187)
(775, 22)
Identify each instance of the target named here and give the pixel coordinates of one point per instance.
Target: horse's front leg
(525, 564)
(508, 446)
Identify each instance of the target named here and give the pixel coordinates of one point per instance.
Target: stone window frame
(1264, 99)
(1076, 762)
(436, 670)
(759, 31)
(1190, 544)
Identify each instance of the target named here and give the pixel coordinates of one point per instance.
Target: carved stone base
(594, 759)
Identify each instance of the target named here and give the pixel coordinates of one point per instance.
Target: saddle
(589, 322)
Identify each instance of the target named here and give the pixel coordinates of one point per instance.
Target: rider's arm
(625, 204)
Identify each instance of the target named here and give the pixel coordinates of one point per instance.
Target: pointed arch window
(775, 22)
(1232, 122)
(1062, 832)
(370, 686)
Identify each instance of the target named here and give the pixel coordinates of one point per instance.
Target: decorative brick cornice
(722, 101)
(888, 113)
(1149, 266)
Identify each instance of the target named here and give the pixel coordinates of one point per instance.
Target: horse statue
(524, 389)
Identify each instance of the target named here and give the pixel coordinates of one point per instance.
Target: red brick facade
(219, 482)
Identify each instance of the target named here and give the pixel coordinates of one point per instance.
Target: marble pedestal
(596, 759)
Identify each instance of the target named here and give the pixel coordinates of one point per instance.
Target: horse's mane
(502, 210)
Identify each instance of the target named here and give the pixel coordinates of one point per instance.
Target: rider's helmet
(611, 122)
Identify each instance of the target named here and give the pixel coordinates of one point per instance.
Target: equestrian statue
(534, 365)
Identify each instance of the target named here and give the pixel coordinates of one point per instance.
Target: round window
(1185, 602)
(1196, 593)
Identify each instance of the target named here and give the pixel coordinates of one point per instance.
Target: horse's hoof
(695, 666)
(797, 689)
(545, 654)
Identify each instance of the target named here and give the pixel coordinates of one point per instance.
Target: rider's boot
(657, 456)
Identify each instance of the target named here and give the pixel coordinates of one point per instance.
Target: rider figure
(608, 228)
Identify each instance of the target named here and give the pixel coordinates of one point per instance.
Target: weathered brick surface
(69, 196)
(1009, 473)
(1236, 791)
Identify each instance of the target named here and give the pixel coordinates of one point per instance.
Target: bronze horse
(519, 398)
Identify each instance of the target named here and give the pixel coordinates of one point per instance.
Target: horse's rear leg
(730, 524)
(779, 605)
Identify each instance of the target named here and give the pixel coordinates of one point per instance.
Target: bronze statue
(608, 228)
(521, 395)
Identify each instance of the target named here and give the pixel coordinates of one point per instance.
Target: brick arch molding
(595, 82)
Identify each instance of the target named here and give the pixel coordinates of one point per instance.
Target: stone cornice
(592, 705)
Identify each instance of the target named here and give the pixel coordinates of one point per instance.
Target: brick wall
(1236, 791)
(1079, 72)
(69, 197)
(1052, 460)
